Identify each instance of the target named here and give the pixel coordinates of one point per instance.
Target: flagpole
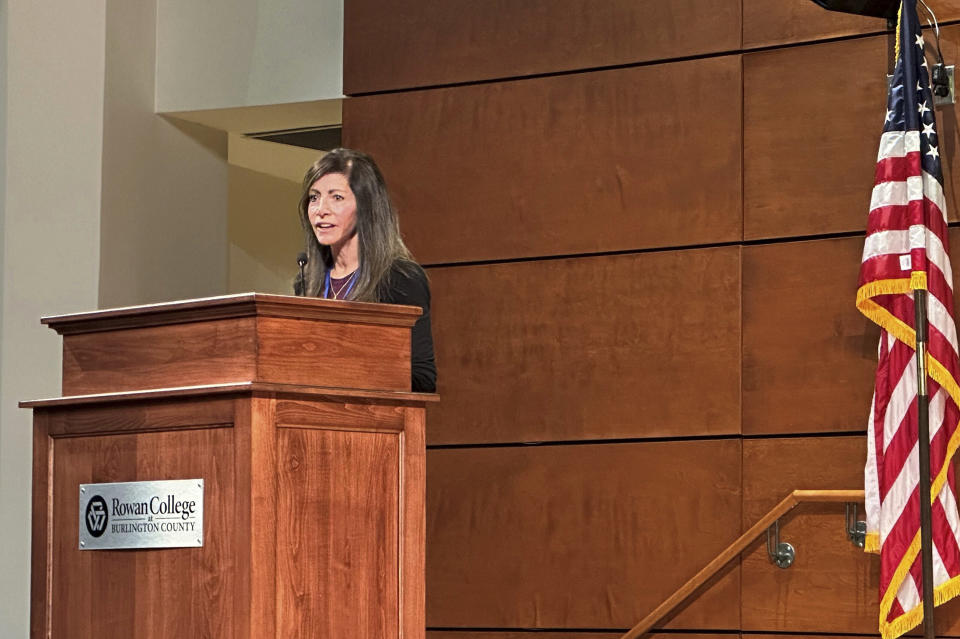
(923, 422)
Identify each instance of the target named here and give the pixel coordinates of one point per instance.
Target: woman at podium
(354, 250)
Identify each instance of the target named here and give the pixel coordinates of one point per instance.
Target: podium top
(251, 337)
(232, 307)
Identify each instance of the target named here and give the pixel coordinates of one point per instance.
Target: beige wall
(164, 210)
(231, 53)
(264, 229)
(3, 155)
(104, 203)
(53, 117)
(264, 234)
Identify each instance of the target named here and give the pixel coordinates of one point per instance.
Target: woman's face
(332, 209)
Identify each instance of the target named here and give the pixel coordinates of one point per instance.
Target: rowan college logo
(96, 516)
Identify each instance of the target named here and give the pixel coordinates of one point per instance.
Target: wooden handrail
(734, 549)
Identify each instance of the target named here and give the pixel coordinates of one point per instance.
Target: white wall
(102, 202)
(232, 53)
(53, 120)
(3, 175)
(164, 205)
(264, 222)
(264, 232)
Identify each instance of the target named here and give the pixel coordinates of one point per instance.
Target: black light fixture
(941, 74)
(876, 8)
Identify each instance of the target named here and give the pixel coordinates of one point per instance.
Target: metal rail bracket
(780, 552)
(856, 530)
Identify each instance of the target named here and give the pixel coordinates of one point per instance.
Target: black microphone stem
(302, 262)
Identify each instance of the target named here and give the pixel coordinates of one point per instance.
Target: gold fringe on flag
(939, 373)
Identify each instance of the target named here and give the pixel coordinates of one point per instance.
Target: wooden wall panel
(812, 126)
(431, 42)
(146, 593)
(621, 159)
(832, 586)
(588, 535)
(947, 616)
(948, 131)
(812, 122)
(579, 536)
(500, 634)
(644, 345)
(768, 23)
(610, 634)
(809, 356)
(748, 635)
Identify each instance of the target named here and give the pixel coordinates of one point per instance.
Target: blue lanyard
(343, 293)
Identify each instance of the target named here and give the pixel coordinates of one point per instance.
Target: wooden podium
(297, 414)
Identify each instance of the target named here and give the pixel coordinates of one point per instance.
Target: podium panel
(313, 497)
(171, 592)
(337, 494)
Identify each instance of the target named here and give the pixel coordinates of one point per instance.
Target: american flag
(906, 249)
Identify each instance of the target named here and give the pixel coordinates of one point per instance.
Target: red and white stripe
(906, 235)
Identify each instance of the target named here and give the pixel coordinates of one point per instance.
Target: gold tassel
(889, 631)
(918, 281)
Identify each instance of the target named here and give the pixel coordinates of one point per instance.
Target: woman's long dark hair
(380, 246)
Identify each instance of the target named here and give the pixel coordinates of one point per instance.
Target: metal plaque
(141, 514)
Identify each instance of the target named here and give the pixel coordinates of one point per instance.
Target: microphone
(301, 262)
